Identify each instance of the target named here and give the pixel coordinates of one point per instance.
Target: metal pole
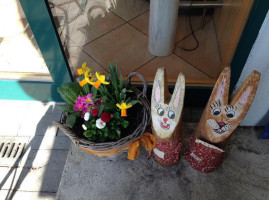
(162, 26)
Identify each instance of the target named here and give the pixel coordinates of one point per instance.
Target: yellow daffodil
(123, 108)
(101, 79)
(88, 78)
(83, 69)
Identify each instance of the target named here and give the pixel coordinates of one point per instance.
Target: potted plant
(104, 114)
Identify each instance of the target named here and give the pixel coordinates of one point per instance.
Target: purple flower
(84, 103)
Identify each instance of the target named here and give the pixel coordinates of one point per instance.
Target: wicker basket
(112, 150)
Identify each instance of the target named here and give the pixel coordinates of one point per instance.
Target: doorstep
(243, 174)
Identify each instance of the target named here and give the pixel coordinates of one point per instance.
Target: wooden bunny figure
(166, 113)
(219, 120)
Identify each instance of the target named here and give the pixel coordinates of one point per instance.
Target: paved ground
(243, 175)
(38, 173)
(41, 173)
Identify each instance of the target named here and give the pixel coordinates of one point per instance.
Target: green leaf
(109, 105)
(67, 97)
(125, 124)
(77, 113)
(70, 92)
(106, 131)
(74, 88)
(110, 67)
(118, 132)
(71, 120)
(94, 91)
(101, 110)
(111, 136)
(135, 102)
(121, 81)
(86, 89)
(123, 91)
(102, 139)
(127, 83)
(87, 123)
(116, 116)
(88, 133)
(66, 108)
(81, 77)
(93, 125)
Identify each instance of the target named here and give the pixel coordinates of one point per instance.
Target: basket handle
(67, 131)
(144, 92)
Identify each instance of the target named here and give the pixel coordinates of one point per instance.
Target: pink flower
(84, 103)
(89, 98)
(79, 104)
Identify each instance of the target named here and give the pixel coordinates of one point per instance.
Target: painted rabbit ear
(244, 95)
(179, 92)
(220, 92)
(160, 88)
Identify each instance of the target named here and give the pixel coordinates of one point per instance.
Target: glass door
(32, 64)
(103, 31)
(60, 35)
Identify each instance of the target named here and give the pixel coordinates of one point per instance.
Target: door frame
(247, 39)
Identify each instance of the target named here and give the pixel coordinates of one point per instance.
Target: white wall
(258, 59)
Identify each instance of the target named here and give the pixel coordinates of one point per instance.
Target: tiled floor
(117, 30)
(37, 174)
(105, 31)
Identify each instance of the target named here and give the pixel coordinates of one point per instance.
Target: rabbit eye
(216, 111)
(230, 114)
(160, 111)
(171, 114)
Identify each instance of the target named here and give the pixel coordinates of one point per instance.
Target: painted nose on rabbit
(165, 120)
(221, 124)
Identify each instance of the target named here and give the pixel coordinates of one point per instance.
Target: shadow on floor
(44, 174)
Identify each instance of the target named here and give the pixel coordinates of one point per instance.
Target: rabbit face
(166, 116)
(220, 119)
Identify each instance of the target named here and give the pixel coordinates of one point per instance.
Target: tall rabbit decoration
(219, 119)
(166, 113)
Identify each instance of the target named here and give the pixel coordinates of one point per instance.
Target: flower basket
(113, 149)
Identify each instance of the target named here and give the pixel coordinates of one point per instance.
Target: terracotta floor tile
(141, 23)
(66, 11)
(68, 23)
(59, 11)
(125, 45)
(77, 57)
(129, 9)
(206, 57)
(88, 28)
(59, 7)
(183, 27)
(174, 65)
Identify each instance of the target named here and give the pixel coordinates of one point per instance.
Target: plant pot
(112, 150)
